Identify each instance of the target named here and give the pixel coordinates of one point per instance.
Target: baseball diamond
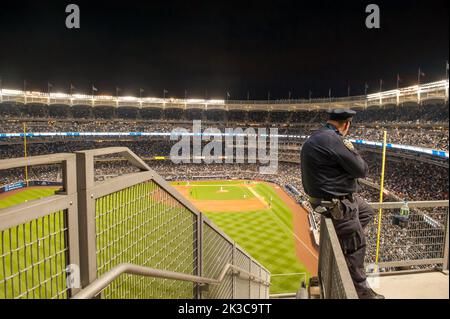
(262, 219)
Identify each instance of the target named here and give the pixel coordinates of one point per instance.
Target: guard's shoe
(368, 293)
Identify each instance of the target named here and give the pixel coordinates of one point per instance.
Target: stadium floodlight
(104, 97)
(128, 98)
(216, 101)
(12, 92)
(59, 95)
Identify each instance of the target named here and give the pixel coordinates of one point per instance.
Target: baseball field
(263, 220)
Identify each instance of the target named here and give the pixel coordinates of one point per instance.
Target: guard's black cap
(341, 114)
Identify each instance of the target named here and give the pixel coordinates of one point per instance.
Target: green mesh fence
(217, 252)
(33, 259)
(146, 226)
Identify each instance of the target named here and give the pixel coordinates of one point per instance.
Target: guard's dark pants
(357, 215)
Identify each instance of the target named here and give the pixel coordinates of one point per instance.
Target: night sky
(215, 47)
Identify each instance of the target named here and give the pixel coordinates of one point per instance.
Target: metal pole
(383, 160)
(25, 151)
(445, 263)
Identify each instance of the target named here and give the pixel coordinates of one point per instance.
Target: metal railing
(132, 236)
(100, 284)
(39, 238)
(422, 241)
(419, 240)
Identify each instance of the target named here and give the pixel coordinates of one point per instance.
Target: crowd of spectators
(413, 114)
(426, 113)
(428, 138)
(411, 180)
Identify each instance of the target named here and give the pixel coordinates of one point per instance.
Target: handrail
(101, 283)
(411, 204)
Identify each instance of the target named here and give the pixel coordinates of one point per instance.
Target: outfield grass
(26, 195)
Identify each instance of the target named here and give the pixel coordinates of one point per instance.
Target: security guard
(330, 168)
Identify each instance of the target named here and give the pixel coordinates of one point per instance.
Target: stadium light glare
(59, 94)
(12, 92)
(128, 98)
(406, 91)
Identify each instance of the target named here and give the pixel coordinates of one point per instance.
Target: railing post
(445, 262)
(198, 257)
(86, 218)
(71, 220)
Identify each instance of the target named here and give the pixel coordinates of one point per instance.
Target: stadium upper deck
(435, 91)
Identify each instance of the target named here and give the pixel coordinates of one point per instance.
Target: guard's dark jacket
(329, 168)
